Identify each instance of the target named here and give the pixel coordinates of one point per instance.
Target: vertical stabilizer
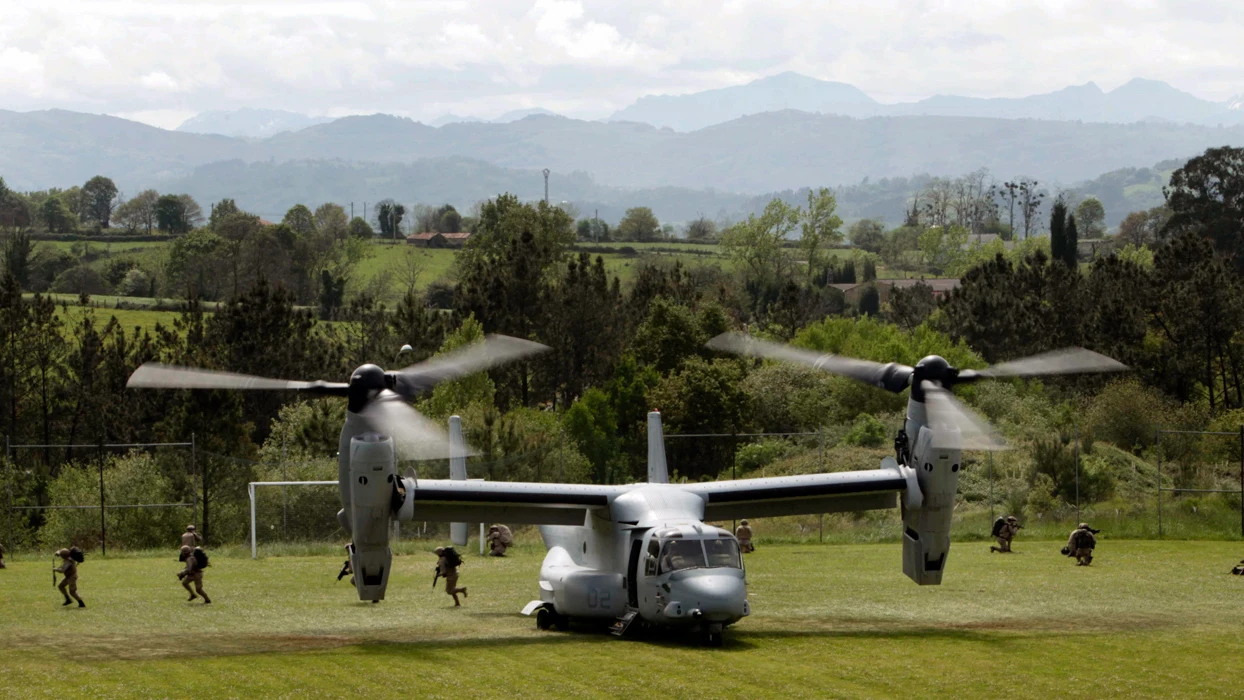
(458, 532)
(658, 473)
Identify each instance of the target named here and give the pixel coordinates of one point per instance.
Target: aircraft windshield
(723, 553)
(681, 554)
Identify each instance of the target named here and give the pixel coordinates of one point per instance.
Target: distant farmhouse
(432, 239)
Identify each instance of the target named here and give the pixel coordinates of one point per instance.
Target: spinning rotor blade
(1066, 361)
(495, 350)
(161, 376)
(414, 436)
(943, 409)
(891, 377)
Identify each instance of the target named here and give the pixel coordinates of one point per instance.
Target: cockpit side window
(654, 551)
(723, 552)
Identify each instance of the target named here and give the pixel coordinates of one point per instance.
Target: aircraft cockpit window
(723, 553)
(681, 554)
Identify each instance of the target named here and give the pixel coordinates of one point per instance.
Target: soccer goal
(251, 487)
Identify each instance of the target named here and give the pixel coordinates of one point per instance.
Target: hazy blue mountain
(1138, 100)
(454, 119)
(249, 123)
(517, 114)
(754, 154)
(774, 93)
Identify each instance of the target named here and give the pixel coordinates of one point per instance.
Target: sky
(162, 62)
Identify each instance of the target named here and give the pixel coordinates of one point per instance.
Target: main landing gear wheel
(544, 619)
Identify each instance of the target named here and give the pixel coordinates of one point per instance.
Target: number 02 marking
(598, 598)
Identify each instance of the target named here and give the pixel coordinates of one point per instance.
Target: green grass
(129, 319)
(1148, 619)
(435, 263)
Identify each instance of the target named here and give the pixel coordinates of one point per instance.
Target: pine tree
(1058, 230)
(1071, 243)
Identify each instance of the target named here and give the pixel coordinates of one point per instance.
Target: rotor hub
(366, 381)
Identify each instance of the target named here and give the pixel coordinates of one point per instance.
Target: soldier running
(347, 569)
(191, 538)
(744, 534)
(69, 584)
(447, 564)
(1081, 544)
(2, 565)
(499, 539)
(1006, 532)
(196, 561)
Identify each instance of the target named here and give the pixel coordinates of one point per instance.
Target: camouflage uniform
(192, 574)
(1007, 533)
(2, 556)
(744, 535)
(499, 539)
(69, 584)
(1081, 544)
(190, 538)
(1238, 569)
(450, 574)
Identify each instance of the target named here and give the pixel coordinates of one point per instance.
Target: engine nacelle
(926, 527)
(373, 479)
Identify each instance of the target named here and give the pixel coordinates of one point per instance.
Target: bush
(758, 455)
(135, 478)
(1127, 414)
(867, 431)
(80, 280)
(135, 284)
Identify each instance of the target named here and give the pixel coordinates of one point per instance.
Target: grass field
(1148, 619)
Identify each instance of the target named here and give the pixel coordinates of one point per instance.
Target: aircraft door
(632, 572)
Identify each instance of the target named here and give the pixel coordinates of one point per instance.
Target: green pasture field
(1147, 619)
(435, 263)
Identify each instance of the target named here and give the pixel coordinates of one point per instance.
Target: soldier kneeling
(1239, 568)
(499, 539)
(1081, 544)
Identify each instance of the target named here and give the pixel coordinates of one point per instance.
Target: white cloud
(587, 57)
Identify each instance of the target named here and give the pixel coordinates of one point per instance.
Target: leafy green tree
(638, 224)
(702, 229)
(868, 234)
(331, 221)
(911, 306)
(56, 216)
(593, 425)
(1092, 217)
(1071, 242)
(171, 215)
(583, 324)
(1206, 195)
(138, 212)
(389, 217)
(702, 396)
(99, 199)
(669, 336)
(942, 247)
(1058, 230)
(820, 227)
(473, 390)
(1144, 227)
(757, 244)
(870, 301)
(360, 229)
(222, 210)
(300, 219)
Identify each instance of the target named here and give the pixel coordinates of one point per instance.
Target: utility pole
(546, 187)
(596, 225)
(351, 211)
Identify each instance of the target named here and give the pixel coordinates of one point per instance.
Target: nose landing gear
(713, 636)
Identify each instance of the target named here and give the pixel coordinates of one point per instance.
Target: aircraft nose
(714, 595)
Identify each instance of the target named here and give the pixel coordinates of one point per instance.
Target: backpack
(200, 558)
(997, 526)
(76, 555)
(452, 559)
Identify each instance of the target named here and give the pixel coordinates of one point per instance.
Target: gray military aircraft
(646, 551)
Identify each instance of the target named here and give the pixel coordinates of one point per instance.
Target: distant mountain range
(249, 123)
(1136, 101)
(759, 153)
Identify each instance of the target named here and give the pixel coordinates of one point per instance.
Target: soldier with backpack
(1004, 530)
(196, 562)
(70, 558)
(447, 563)
(499, 539)
(1081, 544)
(2, 556)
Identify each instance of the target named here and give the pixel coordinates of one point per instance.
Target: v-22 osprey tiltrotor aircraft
(645, 551)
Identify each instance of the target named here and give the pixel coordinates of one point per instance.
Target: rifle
(436, 575)
(53, 571)
(345, 569)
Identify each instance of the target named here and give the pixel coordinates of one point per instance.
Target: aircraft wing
(512, 502)
(870, 489)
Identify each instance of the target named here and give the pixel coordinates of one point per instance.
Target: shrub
(134, 478)
(758, 455)
(867, 431)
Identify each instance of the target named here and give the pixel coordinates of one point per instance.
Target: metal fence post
(1157, 441)
(194, 485)
(990, 486)
(8, 464)
(103, 527)
(1077, 455)
(1242, 480)
(254, 548)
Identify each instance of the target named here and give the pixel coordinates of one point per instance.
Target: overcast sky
(162, 62)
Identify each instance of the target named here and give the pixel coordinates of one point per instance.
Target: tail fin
(657, 471)
(458, 532)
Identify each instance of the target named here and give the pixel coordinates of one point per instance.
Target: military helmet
(743, 522)
(439, 550)
(1011, 519)
(185, 549)
(189, 528)
(1084, 526)
(62, 553)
